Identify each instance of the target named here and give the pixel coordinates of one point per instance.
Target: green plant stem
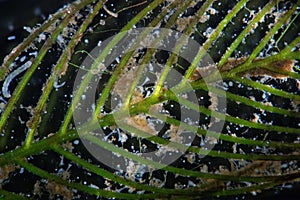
(101, 57)
(36, 32)
(176, 51)
(229, 138)
(246, 65)
(150, 52)
(128, 55)
(267, 88)
(252, 103)
(10, 195)
(246, 31)
(292, 45)
(65, 57)
(22, 84)
(287, 28)
(234, 120)
(143, 107)
(89, 190)
(202, 151)
(53, 142)
(145, 161)
(112, 176)
(216, 33)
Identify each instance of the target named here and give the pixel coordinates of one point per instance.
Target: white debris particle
(2, 106)
(118, 60)
(115, 15)
(20, 120)
(208, 32)
(86, 41)
(93, 186)
(28, 29)
(243, 41)
(204, 18)
(60, 40)
(22, 59)
(41, 37)
(33, 53)
(76, 142)
(123, 138)
(102, 22)
(212, 11)
(21, 170)
(56, 85)
(11, 37)
(11, 76)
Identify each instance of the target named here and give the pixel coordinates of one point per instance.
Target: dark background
(14, 14)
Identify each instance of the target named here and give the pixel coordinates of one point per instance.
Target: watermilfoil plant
(160, 99)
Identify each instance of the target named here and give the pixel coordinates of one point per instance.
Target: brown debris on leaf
(140, 122)
(4, 172)
(283, 65)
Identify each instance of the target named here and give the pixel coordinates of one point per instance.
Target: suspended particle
(11, 37)
(102, 22)
(11, 76)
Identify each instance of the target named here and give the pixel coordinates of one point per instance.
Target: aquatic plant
(244, 139)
